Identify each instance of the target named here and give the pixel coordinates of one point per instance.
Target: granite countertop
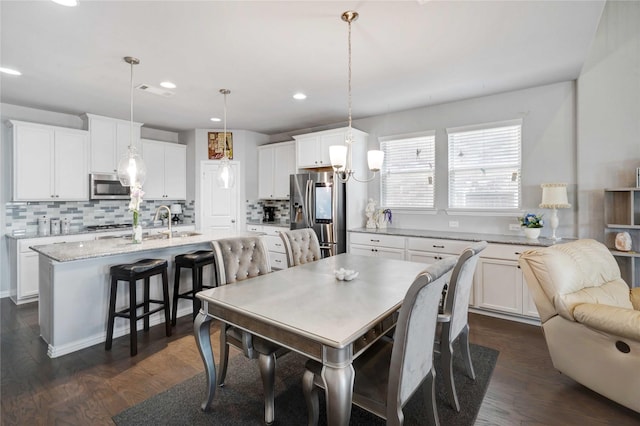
(83, 230)
(70, 251)
(281, 223)
(463, 236)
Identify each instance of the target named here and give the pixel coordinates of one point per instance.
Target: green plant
(531, 220)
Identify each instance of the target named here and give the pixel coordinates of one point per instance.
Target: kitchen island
(74, 284)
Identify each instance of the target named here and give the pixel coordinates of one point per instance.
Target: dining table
(307, 309)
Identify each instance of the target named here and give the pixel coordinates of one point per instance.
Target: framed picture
(217, 143)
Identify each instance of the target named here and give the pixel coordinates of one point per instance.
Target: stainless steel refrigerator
(318, 202)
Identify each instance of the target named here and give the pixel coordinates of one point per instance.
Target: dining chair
(453, 321)
(301, 246)
(239, 259)
(389, 372)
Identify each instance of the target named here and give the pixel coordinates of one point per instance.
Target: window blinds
(407, 175)
(484, 166)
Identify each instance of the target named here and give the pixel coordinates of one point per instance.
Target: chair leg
(176, 291)
(224, 354)
(133, 319)
(165, 299)
(310, 391)
(267, 364)
(145, 291)
(430, 398)
(446, 357)
(197, 286)
(112, 310)
(466, 353)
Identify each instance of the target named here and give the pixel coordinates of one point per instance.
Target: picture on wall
(216, 145)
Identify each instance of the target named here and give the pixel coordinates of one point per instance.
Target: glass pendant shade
(225, 176)
(131, 169)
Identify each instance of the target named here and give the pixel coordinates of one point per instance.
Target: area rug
(240, 401)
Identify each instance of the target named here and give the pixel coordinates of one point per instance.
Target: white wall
(608, 123)
(548, 151)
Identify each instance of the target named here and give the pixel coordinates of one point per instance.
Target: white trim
(470, 212)
(423, 134)
(482, 126)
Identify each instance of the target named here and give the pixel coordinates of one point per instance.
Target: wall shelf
(622, 214)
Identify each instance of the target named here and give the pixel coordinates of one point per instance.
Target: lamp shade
(554, 196)
(375, 159)
(176, 208)
(338, 156)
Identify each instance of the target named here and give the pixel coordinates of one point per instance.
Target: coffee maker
(269, 214)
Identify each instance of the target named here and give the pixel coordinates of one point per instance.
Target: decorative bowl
(345, 274)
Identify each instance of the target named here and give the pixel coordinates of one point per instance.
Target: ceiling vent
(155, 90)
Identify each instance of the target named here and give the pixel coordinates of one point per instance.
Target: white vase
(532, 233)
(137, 234)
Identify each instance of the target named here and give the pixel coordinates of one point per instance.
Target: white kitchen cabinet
(312, 149)
(273, 243)
(499, 283)
(109, 141)
(275, 163)
(24, 265)
(388, 246)
(49, 163)
(166, 170)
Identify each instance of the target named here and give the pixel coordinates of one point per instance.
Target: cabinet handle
(278, 245)
(277, 261)
(518, 253)
(436, 246)
(375, 241)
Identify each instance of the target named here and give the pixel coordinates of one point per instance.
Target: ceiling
(406, 54)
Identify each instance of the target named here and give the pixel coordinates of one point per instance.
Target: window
(407, 175)
(484, 166)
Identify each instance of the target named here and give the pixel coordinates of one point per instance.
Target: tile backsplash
(24, 216)
(255, 209)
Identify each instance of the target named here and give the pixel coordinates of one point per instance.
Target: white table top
(309, 301)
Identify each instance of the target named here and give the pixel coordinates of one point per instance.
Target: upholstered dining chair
(453, 320)
(301, 246)
(239, 259)
(389, 372)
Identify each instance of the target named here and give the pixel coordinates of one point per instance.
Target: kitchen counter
(80, 231)
(71, 251)
(463, 236)
(74, 283)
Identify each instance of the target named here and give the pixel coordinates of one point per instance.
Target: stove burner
(111, 226)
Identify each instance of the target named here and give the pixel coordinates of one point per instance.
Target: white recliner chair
(590, 317)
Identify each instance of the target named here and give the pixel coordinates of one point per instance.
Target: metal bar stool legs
(131, 273)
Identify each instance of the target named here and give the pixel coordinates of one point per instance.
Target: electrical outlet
(453, 224)
(514, 227)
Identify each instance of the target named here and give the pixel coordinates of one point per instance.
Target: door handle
(233, 221)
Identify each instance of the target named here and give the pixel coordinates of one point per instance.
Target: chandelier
(341, 155)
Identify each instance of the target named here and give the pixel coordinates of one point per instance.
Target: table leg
(339, 393)
(267, 364)
(201, 327)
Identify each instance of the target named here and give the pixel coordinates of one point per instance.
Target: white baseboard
(524, 320)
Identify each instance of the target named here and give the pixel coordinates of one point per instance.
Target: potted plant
(532, 224)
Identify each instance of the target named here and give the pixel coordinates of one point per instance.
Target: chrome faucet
(168, 216)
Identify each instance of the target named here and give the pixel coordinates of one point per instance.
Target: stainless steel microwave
(107, 187)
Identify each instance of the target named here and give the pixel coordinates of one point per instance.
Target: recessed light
(299, 96)
(168, 85)
(70, 3)
(216, 119)
(10, 71)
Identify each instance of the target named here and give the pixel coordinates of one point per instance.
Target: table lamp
(554, 196)
(176, 209)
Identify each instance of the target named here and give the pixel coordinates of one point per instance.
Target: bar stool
(195, 261)
(132, 272)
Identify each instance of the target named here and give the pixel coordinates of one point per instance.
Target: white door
(218, 206)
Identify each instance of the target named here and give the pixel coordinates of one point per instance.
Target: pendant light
(131, 169)
(340, 155)
(225, 174)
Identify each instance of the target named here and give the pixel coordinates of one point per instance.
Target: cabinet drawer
(278, 260)
(274, 244)
(437, 246)
(273, 230)
(377, 240)
(254, 228)
(504, 251)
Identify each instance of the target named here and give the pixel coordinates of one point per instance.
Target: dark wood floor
(90, 386)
